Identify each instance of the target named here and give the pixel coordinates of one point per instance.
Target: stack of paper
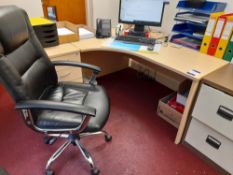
(85, 34)
(190, 42)
(64, 31)
(193, 18)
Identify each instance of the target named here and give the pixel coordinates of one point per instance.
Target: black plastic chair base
(108, 138)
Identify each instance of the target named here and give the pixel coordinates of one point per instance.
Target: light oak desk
(178, 60)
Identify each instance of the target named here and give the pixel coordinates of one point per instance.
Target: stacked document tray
(192, 22)
(46, 31)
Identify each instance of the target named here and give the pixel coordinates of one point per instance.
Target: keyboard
(136, 40)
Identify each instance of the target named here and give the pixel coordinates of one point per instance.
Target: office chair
(57, 109)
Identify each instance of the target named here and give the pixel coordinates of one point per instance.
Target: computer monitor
(141, 13)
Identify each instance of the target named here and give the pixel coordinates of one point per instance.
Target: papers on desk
(131, 47)
(122, 45)
(85, 34)
(157, 48)
(64, 31)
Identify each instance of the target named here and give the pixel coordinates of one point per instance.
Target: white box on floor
(182, 98)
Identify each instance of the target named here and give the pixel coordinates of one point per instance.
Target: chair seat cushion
(75, 93)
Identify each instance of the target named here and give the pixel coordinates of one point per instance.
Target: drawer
(212, 144)
(215, 109)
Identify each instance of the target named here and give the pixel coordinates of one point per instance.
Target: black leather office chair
(56, 109)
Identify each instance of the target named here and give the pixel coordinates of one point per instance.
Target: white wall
(33, 7)
(110, 8)
(105, 9)
(89, 13)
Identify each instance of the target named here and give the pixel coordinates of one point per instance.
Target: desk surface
(221, 79)
(180, 60)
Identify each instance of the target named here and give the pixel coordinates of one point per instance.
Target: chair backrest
(25, 68)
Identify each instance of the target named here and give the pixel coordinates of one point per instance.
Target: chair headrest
(13, 27)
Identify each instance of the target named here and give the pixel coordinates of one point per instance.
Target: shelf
(195, 18)
(190, 30)
(186, 41)
(207, 7)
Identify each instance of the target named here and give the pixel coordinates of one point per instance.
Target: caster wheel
(95, 171)
(49, 172)
(108, 138)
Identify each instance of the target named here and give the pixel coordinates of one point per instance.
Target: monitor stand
(139, 30)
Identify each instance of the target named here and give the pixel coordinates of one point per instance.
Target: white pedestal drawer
(212, 144)
(215, 108)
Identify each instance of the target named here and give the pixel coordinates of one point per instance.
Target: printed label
(227, 30)
(210, 27)
(219, 27)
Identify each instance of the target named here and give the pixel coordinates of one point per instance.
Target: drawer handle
(213, 142)
(225, 113)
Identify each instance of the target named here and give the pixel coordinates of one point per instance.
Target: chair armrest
(58, 106)
(94, 68)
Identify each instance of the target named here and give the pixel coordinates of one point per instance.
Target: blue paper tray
(191, 44)
(190, 30)
(208, 7)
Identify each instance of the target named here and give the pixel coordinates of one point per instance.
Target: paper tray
(190, 30)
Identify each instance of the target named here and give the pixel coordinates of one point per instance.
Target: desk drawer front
(210, 143)
(215, 109)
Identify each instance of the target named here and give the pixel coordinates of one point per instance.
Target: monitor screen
(145, 12)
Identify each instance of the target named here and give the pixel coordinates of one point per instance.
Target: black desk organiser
(191, 22)
(47, 34)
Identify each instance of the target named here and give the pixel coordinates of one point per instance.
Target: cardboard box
(167, 113)
(67, 38)
(173, 81)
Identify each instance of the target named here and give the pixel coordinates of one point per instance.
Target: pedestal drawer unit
(211, 128)
(215, 108)
(211, 143)
(66, 52)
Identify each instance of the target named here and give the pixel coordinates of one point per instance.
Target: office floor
(142, 142)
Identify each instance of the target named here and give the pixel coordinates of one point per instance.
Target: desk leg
(186, 113)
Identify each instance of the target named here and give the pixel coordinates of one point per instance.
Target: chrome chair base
(75, 140)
